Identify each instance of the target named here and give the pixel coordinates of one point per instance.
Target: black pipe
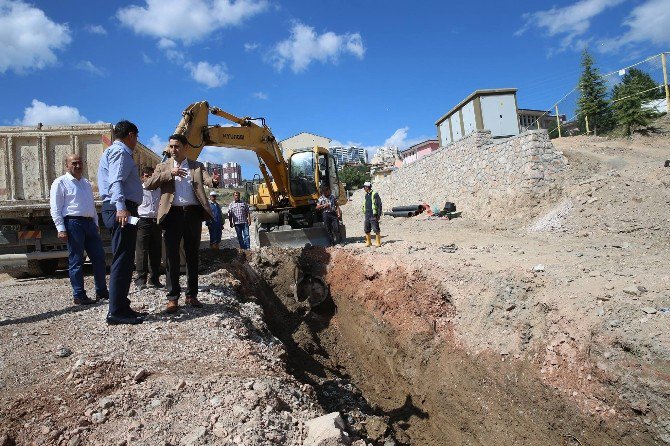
(400, 214)
(414, 207)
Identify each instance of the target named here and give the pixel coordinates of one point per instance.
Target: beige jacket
(162, 178)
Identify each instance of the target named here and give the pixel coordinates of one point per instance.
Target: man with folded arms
(73, 213)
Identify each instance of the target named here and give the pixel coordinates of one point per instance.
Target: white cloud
(250, 46)
(165, 44)
(571, 22)
(157, 144)
(51, 115)
(209, 75)
(649, 21)
(398, 139)
(96, 29)
(188, 20)
(305, 46)
(260, 95)
(146, 59)
(169, 47)
(28, 38)
(87, 65)
(222, 155)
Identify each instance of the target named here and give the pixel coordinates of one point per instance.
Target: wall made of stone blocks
(478, 173)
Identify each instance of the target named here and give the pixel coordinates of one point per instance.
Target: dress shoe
(103, 296)
(156, 284)
(193, 302)
(172, 306)
(83, 301)
(133, 313)
(117, 320)
(140, 285)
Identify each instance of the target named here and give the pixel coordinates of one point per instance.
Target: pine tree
(593, 98)
(628, 98)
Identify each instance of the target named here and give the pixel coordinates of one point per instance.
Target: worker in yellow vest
(372, 210)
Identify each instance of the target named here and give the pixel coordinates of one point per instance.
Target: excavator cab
(302, 174)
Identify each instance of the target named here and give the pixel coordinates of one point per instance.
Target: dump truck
(31, 158)
(285, 198)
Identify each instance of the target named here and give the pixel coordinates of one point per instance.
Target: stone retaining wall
(482, 175)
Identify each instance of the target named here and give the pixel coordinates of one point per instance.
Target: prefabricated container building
(494, 110)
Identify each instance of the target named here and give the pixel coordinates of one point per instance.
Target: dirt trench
(382, 350)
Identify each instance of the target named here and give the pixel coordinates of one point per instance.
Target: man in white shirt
(73, 213)
(149, 249)
(182, 209)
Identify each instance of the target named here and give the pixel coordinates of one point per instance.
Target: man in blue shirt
(121, 192)
(73, 213)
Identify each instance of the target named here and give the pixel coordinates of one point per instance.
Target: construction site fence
(565, 109)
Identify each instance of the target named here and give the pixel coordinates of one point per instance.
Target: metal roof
(474, 94)
(306, 133)
(420, 144)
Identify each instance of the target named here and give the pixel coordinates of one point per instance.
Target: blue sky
(368, 73)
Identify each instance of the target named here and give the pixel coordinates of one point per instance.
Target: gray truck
(31, 158)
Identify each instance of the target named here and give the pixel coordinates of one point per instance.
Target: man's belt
(77, 217)
(189, 208)
(149, 219)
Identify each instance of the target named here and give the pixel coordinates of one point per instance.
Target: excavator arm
(245, 134)
(285, 206)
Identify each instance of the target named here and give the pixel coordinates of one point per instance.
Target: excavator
(284, 200)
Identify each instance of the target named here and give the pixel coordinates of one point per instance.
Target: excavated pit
(382, 350)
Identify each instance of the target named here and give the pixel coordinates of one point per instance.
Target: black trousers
(148, 251)
(332, 225)
(182, 223)
(123, 252)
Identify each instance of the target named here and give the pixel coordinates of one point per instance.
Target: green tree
(355, 176)
(628, 97)
(643, 82)
(593, 98)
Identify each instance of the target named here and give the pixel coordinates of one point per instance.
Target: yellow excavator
(285, 199)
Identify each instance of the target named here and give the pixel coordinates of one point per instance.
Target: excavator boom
(285, 203)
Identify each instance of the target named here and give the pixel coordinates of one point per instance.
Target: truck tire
(45, 267)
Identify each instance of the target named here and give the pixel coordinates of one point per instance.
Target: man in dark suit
(182, 209)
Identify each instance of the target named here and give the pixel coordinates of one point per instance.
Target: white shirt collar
(183, 162)
(71, 177)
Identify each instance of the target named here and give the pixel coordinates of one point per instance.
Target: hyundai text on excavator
(285, 199)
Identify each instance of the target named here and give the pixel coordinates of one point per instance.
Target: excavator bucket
(287, 237)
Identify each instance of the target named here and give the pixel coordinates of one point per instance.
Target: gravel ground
(576, 290)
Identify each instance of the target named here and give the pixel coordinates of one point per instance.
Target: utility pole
(558, 122)
(665, 82)
(586, 117)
